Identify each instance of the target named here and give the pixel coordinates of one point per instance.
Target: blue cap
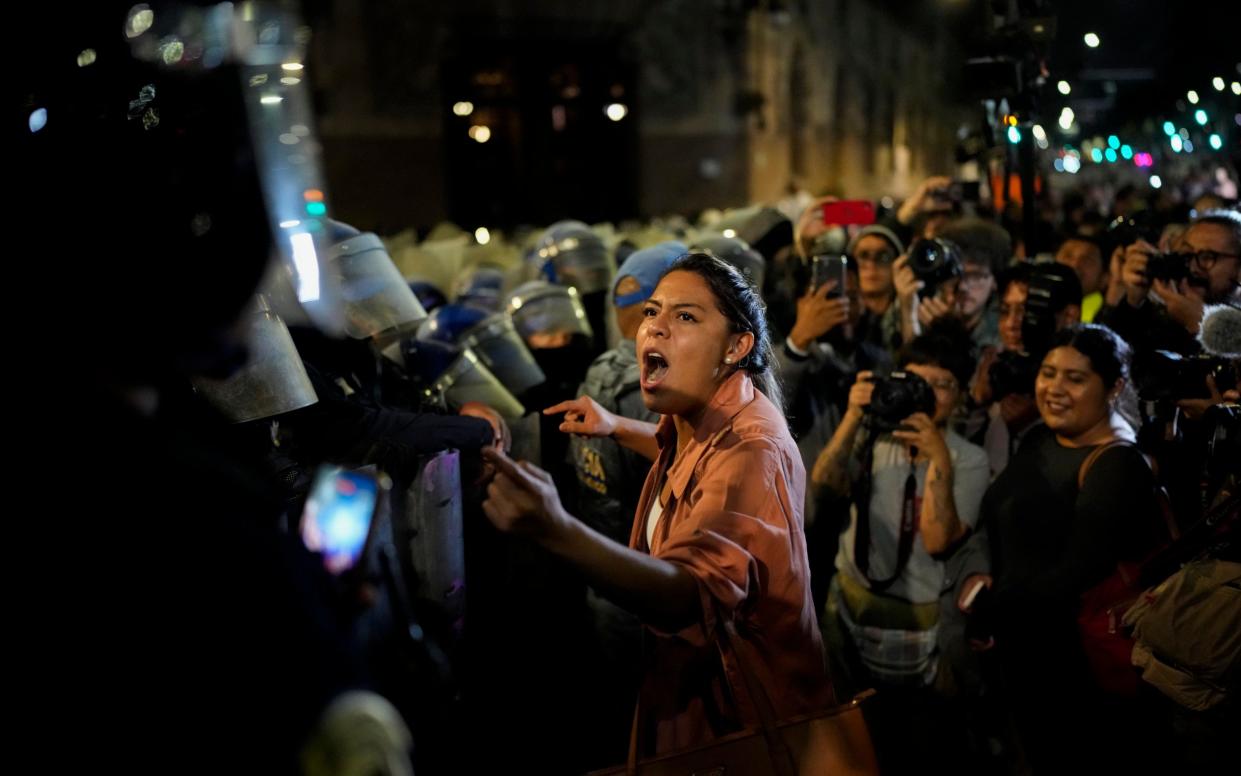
(647, 266)
(448, 322)
(428, 295)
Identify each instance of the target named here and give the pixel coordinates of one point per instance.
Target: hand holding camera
(895, 397)
(1163, 375)
(905, 281)
(1183, 308)
(923, 199)
(860, 395)
(1133, 273)
(1195, 409)
(920, 433)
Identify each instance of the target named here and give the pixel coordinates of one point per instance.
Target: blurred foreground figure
(167, 156)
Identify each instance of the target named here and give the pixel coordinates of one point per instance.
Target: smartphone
(338, 519)
(965, 191)
(978, 623)
(960, 191)
(826, 268)
(849, 212)
(968, 601)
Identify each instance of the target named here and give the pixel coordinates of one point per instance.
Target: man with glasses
(986, 249)
(1166, 315)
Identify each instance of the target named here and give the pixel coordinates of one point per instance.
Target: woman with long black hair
(718, 533)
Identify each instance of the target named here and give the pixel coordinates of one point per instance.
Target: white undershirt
(652, 518)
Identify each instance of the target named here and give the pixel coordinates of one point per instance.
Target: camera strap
(909, 520)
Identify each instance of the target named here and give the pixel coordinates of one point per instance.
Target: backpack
(1187, 633)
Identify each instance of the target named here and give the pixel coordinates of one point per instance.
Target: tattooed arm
(831, 469)
(939, 525)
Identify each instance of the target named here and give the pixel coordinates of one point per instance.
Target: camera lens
(934, 261)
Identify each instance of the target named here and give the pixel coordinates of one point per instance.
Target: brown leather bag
(834, 741)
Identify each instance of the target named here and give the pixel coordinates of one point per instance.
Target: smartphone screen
(849, 212)
(337, 518)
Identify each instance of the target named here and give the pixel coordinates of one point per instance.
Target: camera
(1164, 375)
(1124, 231)
(1013, 372)
(958, 192)
(1051, 288)
(898, 395)
(934, 261)
(1167, 266)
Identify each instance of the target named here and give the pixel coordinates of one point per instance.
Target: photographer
(953, 275)
(986, 249)
(926, 281)
(915, 486)
(1164, 293)
(817, 364)
(1003, 387)
(1189, 411)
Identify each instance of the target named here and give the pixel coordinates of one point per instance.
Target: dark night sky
(1182, 45)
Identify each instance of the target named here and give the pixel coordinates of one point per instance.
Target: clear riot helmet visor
(579, 261)
(467, 379)
(379, 304)
(265, 42)
(273, 380)
(496, 342)
(541, 311)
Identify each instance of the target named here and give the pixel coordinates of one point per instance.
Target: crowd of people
(921, 451)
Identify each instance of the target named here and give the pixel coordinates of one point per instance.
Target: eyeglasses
(1206, 259)
(882, 258)
(974, 278)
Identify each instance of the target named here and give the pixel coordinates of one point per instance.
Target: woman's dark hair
(1017, 273)
(737, 301)
(1109, 355)
(945, 344)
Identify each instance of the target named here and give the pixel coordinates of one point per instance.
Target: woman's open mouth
(654, 369)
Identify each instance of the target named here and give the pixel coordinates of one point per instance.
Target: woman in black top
(1050, 542)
